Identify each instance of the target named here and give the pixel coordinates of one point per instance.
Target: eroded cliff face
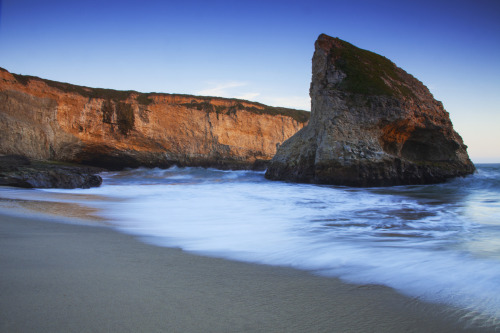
(372, 124)
(50, 120)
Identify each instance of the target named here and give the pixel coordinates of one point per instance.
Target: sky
(261, 50)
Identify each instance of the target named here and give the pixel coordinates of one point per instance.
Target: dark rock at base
(260, 165)
(12, 162)
(19, 171)
(110, 159)
(372, 124)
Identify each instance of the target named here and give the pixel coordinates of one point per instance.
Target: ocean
(438, 243)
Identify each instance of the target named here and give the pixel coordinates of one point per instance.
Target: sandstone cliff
(50, 120)
(372, 124)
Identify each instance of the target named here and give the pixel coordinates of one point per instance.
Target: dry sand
(71, 278)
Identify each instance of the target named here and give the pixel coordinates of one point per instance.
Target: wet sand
(58, 277)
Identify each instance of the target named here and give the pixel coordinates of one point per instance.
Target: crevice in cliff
(120, 114)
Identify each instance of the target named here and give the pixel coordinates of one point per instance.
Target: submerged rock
(372, 124)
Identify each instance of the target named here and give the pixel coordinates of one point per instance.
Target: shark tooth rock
(371, 124)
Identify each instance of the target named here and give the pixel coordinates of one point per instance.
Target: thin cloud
(248, 96)
(236, 89)
(294, 102)
(223, 89)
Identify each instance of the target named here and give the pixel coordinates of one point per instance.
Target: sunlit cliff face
(52, 120)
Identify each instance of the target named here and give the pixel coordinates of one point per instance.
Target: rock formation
(19, 171)
(48, 120)
(372, 124)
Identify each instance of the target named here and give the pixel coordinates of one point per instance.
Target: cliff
(372, 124)
(48, 120)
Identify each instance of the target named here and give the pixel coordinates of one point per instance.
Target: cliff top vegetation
(367, 73)
(145, 98)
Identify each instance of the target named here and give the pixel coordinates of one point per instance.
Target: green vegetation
(144, 99)
(109, 94)
(298, 115)
(116, 96)
(205, 105)
(22, 79)
(366, 72)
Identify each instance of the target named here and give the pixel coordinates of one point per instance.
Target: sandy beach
(58, 277)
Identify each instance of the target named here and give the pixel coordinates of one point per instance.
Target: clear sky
(262, 50)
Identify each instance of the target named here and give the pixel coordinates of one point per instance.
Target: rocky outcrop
(372, 124)
(48, 120)
(19, 171)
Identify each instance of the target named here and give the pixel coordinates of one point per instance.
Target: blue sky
(261, 50)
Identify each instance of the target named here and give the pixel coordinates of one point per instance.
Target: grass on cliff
(298, 115)
(109, 94)
(144, 99)
(365, 71)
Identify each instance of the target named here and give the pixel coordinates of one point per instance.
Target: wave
(436, 242)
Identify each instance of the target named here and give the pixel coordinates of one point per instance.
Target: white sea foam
(432, 242)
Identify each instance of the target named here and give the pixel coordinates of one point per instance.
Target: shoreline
(68, 277)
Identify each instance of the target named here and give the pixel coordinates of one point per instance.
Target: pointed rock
(372, 124)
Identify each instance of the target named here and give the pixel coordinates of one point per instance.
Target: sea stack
(372, 124)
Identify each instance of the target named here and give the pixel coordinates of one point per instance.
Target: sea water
(439, 243)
